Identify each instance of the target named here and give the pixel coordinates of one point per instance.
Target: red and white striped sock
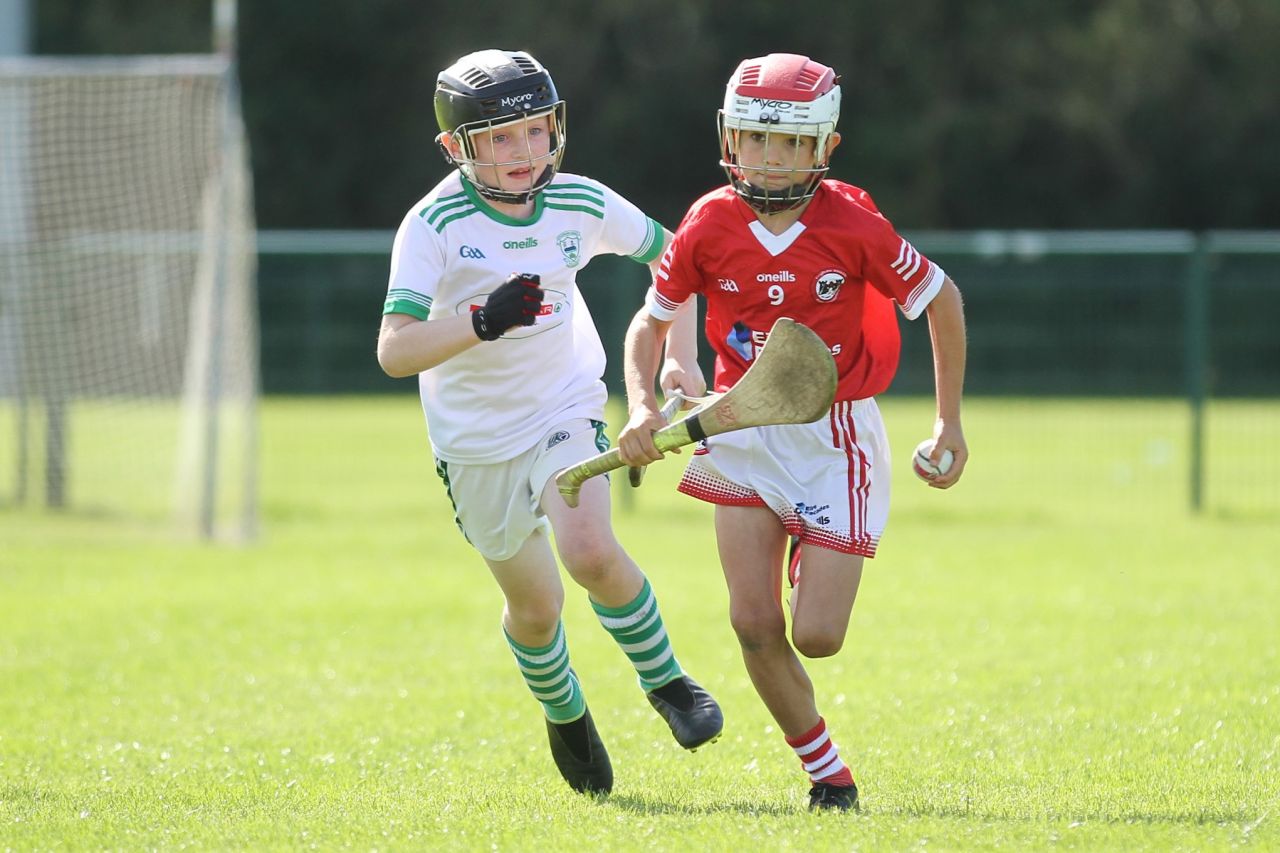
(819, 756)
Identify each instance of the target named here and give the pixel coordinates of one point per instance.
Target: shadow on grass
(1221, 817)
(649, 806)
(960, 811)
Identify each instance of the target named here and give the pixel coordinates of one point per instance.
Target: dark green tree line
(1094, 114)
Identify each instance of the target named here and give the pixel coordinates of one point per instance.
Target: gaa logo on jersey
(827, 284)
(570, 243)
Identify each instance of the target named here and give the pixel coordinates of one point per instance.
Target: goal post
(128, 316)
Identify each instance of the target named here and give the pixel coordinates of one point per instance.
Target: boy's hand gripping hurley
(791, 381)
(677, 403)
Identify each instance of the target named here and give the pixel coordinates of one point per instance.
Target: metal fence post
(1197, 361)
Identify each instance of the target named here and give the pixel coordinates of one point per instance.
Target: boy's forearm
(682, 337)
(407, 347)
(947, 331)
(640, 359)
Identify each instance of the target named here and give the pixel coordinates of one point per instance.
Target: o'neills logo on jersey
(785, 275)
(827, 284)
(526, 243)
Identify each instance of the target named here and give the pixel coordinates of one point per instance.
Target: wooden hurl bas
(791, 381)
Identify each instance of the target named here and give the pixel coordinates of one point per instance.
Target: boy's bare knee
(533, 618)
(758, 630)
(816, 644)
(589, 562)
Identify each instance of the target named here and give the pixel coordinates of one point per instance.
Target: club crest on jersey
(557, 437)
(570, 243)
(827, 285)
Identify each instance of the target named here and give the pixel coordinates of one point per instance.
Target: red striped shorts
(828, 481)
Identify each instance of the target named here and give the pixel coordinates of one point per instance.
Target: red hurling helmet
(782, 94)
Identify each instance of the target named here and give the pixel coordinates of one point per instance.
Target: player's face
(775, 160)
(512, 157)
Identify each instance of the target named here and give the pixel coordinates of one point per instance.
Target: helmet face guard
(490, 89)
(778, 96)
(470, 164)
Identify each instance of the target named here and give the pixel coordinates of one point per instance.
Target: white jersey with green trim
(493, 401)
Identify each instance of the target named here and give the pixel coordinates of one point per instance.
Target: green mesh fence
(1104, 367)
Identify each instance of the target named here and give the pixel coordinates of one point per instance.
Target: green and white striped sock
(637, 627)
(546, 671)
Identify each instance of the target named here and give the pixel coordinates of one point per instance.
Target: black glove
(516, 302)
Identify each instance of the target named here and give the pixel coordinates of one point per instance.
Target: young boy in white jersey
(483, 307)
(782, 241)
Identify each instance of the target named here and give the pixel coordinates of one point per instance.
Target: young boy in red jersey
(781, 240)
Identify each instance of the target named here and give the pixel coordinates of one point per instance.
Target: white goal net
(128, 321)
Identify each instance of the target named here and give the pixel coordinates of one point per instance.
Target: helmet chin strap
(768, 202)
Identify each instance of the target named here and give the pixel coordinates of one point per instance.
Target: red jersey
(838, 270)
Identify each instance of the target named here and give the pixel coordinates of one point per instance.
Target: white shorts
(497, 507)
(827, 481)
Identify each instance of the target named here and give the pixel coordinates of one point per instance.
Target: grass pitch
(1058, 659)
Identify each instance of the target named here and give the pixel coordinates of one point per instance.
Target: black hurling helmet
(490, 88)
